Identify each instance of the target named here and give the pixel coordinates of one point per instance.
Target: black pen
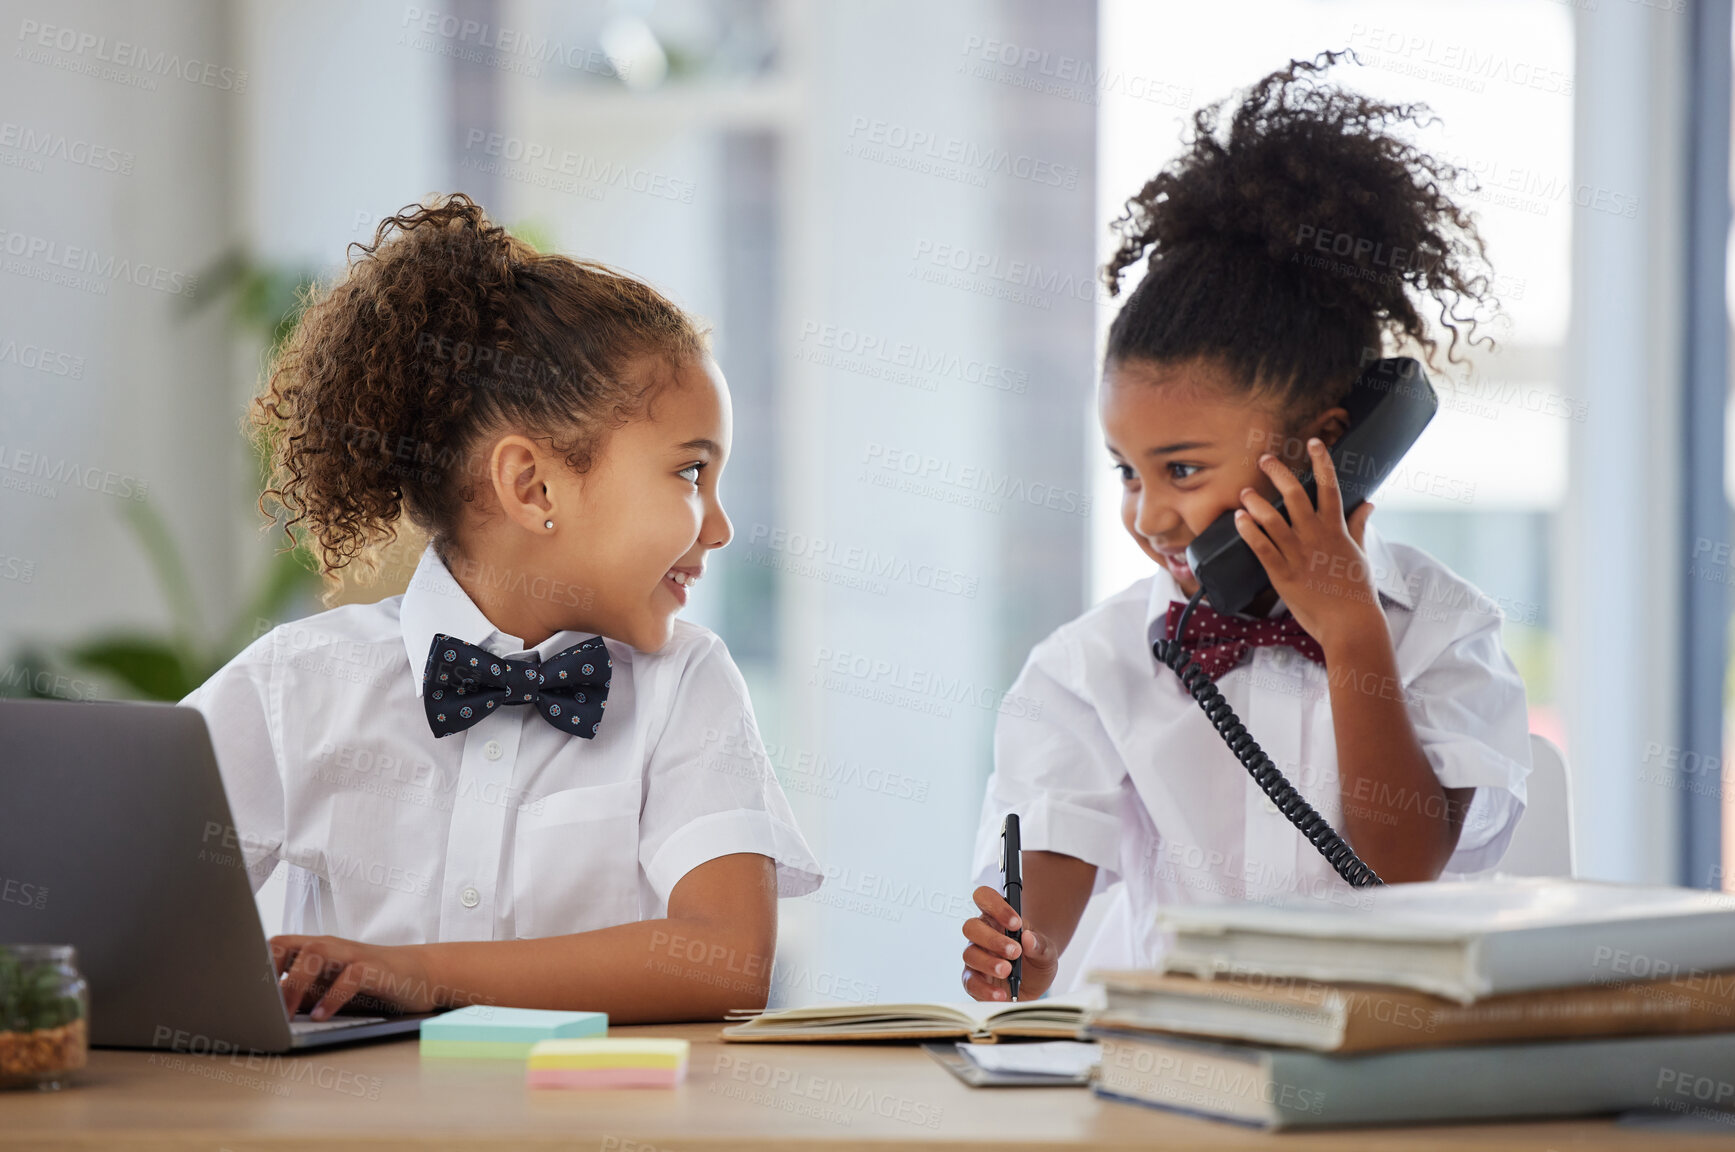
(1009, 865)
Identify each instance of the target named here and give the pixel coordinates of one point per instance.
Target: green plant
(265, 299)
(32, 995)
(265, 302)
(158, 667)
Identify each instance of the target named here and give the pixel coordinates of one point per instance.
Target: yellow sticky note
(612, 1052)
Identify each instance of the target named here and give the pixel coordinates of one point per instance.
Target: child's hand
(1315, 561)
(332, 971)
(988, 959)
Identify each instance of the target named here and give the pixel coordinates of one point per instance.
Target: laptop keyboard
(303, 1025)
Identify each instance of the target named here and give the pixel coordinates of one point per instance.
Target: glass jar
(44, 1005)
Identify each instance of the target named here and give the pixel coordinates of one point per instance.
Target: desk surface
(737, 1097)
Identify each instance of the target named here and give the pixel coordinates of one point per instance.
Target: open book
(1051, 1018)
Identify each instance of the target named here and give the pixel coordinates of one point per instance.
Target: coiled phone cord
(1272, 782)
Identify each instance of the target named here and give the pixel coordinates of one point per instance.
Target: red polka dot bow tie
(1218, 642)
(463, 683)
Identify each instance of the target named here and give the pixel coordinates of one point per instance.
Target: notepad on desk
(1051, 1018)
(491, 1032)
(602, 1062)
(1042, 1064)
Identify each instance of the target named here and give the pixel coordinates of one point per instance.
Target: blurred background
(892, 213)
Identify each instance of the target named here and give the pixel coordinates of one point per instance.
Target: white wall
(1621, 552)
(862, 234)
(344, 124)
(145, 403)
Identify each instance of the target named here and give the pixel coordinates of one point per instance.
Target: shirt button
(491, 749)
(470, 897)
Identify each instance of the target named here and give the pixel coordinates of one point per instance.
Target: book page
(832, 1016)
(969, 1015)
(1065, 1006)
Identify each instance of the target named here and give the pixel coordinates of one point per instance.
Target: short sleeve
(710, 790)
(1055, 766)
(1469, 712)
(240, 708)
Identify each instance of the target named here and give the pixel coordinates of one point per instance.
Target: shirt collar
(435, 603)
(1388, 582)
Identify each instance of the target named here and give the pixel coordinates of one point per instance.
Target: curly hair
(443, 331)
(1288, 248)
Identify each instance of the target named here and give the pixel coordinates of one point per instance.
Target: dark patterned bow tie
(463, 683)
(1218, 642)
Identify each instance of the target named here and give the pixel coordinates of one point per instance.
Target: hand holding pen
(1011, 869)
(1001, 943)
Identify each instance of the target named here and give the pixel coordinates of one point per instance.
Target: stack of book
(1424, 1002)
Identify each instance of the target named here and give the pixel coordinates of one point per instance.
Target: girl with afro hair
(1300, 237)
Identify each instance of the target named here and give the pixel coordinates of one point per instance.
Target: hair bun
(1310, 179)
(1292, 239)
(443, 330)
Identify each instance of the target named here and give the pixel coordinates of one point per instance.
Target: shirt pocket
(576, 863)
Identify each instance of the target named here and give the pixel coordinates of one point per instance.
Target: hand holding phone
(1312, 556)
(1387, 407)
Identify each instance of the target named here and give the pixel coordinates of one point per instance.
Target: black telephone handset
(1389, 405)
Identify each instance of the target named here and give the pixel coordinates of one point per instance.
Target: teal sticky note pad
(489, 1024)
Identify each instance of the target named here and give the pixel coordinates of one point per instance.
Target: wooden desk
(737, 1097)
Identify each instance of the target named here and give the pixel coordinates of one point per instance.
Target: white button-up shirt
(509, 828)
(1113, 763)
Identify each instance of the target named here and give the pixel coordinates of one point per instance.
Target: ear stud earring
(548, 523)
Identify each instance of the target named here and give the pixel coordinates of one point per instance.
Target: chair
(1541, 845)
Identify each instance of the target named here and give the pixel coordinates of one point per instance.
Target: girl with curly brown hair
(1373, 675)
(524, 781)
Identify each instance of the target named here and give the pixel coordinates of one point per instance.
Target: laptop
(115, 837)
